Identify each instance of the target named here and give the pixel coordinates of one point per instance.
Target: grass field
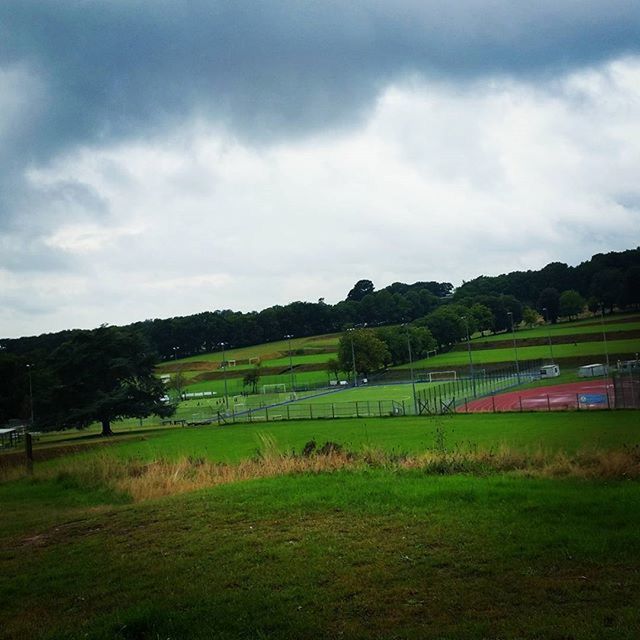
(568, 329)
(488, 356)
(367, 548)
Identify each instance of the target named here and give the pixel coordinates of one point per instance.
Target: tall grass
(145, 480)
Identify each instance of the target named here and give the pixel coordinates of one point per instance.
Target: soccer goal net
(274, 388)
(435, 376)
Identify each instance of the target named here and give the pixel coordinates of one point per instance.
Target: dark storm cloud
(112, 67)
(98, 71)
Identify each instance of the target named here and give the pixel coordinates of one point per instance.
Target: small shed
(592, 370)
(11, 436)
(549, 371)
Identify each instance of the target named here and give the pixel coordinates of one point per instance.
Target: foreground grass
(468, 527)
(367, 554)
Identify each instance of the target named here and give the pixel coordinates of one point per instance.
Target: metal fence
(552, 401)
(627, 389)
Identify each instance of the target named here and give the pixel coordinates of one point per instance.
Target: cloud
(260, 152)
(441, 182)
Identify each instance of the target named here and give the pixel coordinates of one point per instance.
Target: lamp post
(288, 337)
(546, 321)
(353, 358)
(515, 346)
(413, 380)
(224, 374)
(473, 378)
(29, 367)
(604, 337)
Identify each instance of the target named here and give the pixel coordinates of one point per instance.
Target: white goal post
(274, 388)
(435, 376)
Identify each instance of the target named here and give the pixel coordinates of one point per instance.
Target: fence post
(608, 400)
(288, 416)
(493, 402)
(357, 411)
(548, 402)
(520, 401)
(466, 406)
(368, 408)
(333, 410)
(28, 449)
(310, 411)
(266, 414)
(380, 408)
(403, 408)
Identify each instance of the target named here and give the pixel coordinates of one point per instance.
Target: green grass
(379, 552)
(354, 555)
(489, 356)
(527, 431)
(564, 329)
(260, 350)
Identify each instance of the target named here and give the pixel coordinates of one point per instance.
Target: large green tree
(571, 303)
(370, 353)
(102, 376)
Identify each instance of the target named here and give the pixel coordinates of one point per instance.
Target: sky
(160, 158)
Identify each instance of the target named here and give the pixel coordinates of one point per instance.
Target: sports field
(589, 394)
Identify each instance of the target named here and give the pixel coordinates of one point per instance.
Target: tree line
(432, 314)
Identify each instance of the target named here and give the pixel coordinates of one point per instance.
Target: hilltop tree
(102, 376)
(360, 289)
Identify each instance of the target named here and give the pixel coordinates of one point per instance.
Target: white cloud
(442, 182)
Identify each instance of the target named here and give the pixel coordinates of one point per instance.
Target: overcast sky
(161, 158)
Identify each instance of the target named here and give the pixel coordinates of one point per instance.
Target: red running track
(594, 394)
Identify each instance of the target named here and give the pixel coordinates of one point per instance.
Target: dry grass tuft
(147, 480)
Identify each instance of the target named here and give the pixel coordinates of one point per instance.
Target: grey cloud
(101, 71)
(271, 68)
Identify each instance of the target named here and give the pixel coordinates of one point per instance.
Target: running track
(594, 394)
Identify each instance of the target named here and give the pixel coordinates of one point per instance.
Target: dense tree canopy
(102, 376)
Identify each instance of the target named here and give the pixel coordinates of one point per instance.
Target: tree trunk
(106, 428)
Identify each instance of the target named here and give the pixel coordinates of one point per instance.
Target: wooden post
(28, 449)
(548, 402)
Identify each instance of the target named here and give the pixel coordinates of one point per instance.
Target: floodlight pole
(224, 375)
(29, 367)
(353, 358)
(473, 378)
(288, 337)
(604, 337)
(546, 320)
(515, 346)
(413, 380)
